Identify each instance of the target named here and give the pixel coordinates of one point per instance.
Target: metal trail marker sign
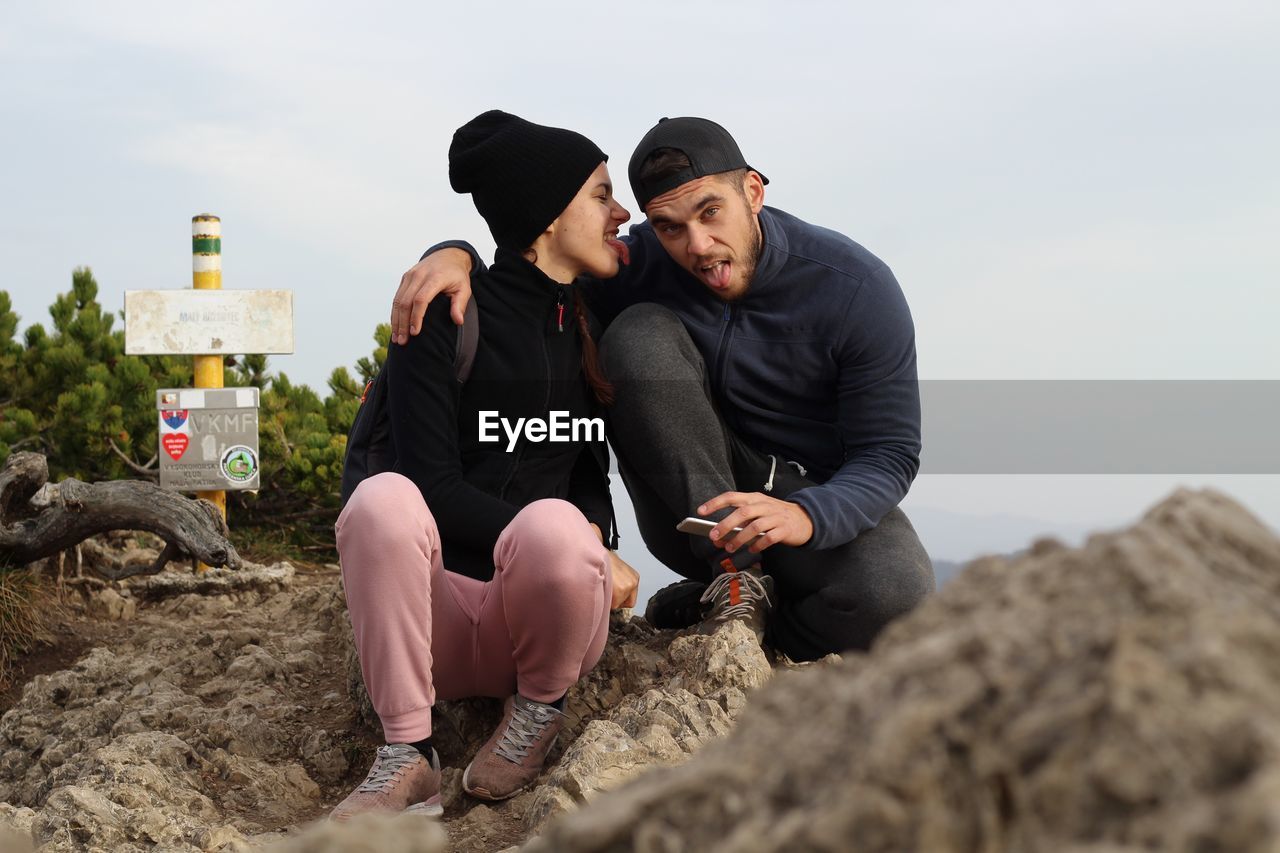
(208, 435)
(208, 439)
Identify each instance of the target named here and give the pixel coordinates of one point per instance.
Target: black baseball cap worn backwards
(709, 147)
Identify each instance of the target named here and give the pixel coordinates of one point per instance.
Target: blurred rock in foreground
(1122, 696)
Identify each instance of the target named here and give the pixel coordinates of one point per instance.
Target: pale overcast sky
(1064, 190)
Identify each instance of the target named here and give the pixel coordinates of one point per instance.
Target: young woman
(479, 567)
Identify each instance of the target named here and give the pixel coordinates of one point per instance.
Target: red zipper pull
(560, 313)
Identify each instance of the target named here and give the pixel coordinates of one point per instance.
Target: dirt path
(225, 707)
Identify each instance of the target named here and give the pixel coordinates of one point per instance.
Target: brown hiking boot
(513, 756)
(400, 780)
(742, 596)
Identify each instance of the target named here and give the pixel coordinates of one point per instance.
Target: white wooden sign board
(208, 322)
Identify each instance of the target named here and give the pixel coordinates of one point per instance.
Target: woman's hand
(443, 271)
(626, 581)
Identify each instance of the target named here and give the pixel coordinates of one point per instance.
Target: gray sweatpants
(675, 452)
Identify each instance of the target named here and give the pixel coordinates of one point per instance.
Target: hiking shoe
(678, 605)
(513, 756)
(400, 780)
(742, 596)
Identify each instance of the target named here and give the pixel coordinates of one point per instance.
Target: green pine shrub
(71, 393)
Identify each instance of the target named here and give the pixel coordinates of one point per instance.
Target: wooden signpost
(208, 323)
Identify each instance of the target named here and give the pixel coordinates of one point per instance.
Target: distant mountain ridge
(959, 537)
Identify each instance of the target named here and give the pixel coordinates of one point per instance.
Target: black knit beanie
(521, 175)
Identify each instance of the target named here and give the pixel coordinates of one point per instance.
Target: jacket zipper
(722, 349)
(546, 403)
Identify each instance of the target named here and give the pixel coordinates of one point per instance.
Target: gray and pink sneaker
(513, 756)
(400, 780)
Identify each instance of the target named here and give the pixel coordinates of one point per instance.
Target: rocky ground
(1113, 698)
(223, 711)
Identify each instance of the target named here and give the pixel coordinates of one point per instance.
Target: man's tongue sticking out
(718, 275)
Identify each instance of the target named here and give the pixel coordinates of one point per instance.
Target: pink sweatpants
(422, 631)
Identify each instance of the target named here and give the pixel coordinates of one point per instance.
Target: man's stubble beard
(755, 246)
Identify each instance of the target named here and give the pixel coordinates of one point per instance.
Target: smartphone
(702, 527)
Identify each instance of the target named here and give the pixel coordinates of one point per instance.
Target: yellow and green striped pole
(206, 274)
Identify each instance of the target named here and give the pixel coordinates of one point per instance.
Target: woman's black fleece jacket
(527, 365)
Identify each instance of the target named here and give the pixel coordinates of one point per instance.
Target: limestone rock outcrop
(229, 713)
(1120, 696)
(182, 736)
(404, 833)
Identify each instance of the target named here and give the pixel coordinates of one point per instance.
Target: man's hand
(775, 521)
(443, 271)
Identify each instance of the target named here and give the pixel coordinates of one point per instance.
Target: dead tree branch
(38, 519)
(145, 470)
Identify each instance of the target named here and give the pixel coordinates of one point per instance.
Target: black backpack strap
(370, 449)
(464, 353)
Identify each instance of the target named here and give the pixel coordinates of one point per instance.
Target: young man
(765, 377)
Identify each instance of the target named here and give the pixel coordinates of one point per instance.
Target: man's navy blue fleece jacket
(815, 364)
